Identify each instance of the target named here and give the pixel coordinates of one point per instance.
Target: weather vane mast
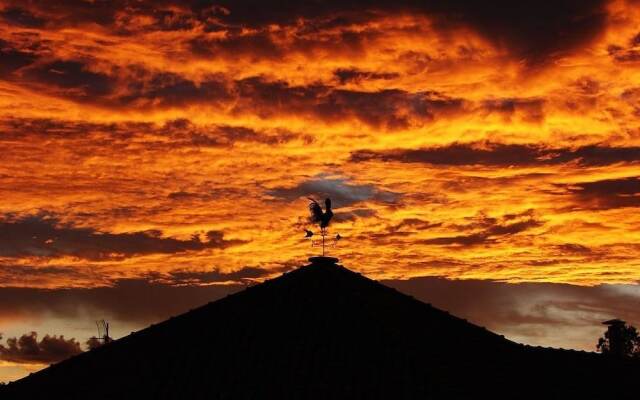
(322, 218)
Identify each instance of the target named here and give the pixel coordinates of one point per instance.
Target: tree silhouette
(620, 340)
(93, 343)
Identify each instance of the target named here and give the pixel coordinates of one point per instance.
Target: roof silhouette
(324, 332)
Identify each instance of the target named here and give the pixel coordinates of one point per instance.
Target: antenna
(103, 331)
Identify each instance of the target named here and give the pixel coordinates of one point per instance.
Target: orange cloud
(458, 140)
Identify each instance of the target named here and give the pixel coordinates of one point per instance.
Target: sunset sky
(481, 156)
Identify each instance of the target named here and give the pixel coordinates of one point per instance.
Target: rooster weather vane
(322, 218)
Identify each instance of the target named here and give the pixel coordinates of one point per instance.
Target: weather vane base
(323, 260)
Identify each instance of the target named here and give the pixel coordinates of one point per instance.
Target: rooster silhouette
(317, 215)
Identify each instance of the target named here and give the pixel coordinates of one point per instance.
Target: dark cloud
(233, 134)
(529, 309)
(404, 228)
(164, 19)
(183, 195)
(530, 30)
(530, 110)
(31, 270)
(120, 86)
(217, 276)
(72, 78)
(70, 13)
(209, 194)
(25, 128)
(504, 155)
(257, 45)
(391, 109)
(136, 87)
(28, 350)
(386, 109)
(415, 224)
(606, 194)
(457, 154)
(535, 31)
(44, 235)
(573, 248)
(341, 191)
(628, 52)
(597, 155)
(358, 213)
(141, 300)
(25, 274)
(624, 55)
(165, 89)
(632, 96)
(182, 132)
(21, 17)
(488, 230)
(13, 58)
(354, 75)
(473, 239)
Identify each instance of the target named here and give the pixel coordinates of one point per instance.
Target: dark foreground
(324, 332)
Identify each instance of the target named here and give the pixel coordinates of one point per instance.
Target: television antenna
(103, 331)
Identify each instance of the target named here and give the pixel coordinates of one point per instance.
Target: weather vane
(322, 218)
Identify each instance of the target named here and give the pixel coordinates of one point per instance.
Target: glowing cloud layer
(177, 141)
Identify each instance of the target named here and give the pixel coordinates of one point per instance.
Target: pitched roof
(325, 332)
